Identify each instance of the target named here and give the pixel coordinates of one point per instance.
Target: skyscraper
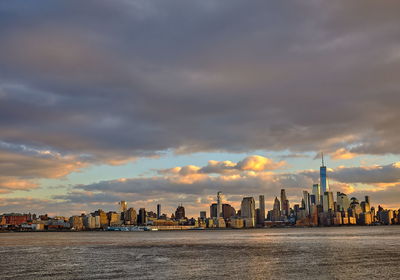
(284, 203)
(158, 211)
(283, 197)
(123, 206)
(213, 210)
(261, 202)
(316, 191)
(328, 202)
(130, 217)
(342, 201)
(142, 217)
(323, 179)
(276, 211)
(306, 198)
(219, 204)
(367, 204)
(228, 211)
(248, 209)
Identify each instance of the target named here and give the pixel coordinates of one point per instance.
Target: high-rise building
(313, 200)
(158, 211)
(180, 212)
(103, 219)
(228, 211)
(213, 210)
(248, 208)
(316, 191)
(365, 205)
(284, 203)
(276, 211)
(342, 202)
(261, 203)
(203, 214)
(219, 204)
(323, 177)
(130, 217)
(306, 198)
(123, 206)
(328, 202)
(114, 218)
(142, 217)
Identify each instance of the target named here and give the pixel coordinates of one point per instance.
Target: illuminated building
(130, 217)
(328, 202)
(89, 222)
(76, 222)
(248, 211)
(342, 201)
(103, 219)
(276, 211)
(114, 218)
(13, 219)
(316, 191)
(122, 206)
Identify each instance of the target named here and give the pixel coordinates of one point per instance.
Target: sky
(171, 101)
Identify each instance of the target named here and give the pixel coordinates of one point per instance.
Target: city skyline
(167, 103)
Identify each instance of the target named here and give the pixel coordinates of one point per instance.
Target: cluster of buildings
(317, 208)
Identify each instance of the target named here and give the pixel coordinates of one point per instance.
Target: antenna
(323, 164)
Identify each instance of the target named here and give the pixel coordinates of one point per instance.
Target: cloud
(21, 166)
(9, 184)
(343, 154)
(254, 163)
(153, 78)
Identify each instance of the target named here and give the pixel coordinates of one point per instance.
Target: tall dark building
(180, 213)
(261, 204)
(158, 211)
(142, 218)
(213, 210)
(203, 214)
(228, 211)
(284, 203)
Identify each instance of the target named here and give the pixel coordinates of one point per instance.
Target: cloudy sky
(171, 101)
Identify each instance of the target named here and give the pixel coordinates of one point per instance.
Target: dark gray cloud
(113, 80)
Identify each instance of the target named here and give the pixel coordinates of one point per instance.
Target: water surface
(293, 253)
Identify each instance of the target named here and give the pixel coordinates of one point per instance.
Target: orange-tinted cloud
(254, 163)
(343, 154)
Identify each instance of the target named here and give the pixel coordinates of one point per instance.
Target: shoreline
(198, 230)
